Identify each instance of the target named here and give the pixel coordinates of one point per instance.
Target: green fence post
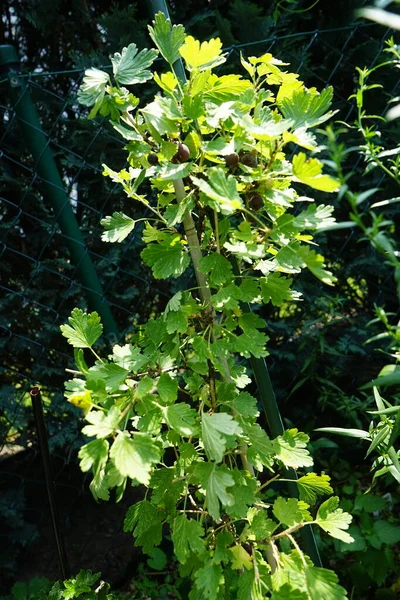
(259, 366)
(53, 186)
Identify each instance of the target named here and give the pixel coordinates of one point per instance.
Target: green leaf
(245, 405)
(307, 108)
(244, 493)
(144, 520)
(214, 429)
(333, 520)
(160, 124)
(102, 424)
(312, 485)
(135, 457)
(202, 56)
(323, 584)
(215, 480)
(117, 227)
(315, 263)
(166, 37)
(167, 388)
(111, 374)
(187, 537)
(291, 449)
(83, 329)
(356, 433)
(241, 558)
(262, 448)
(287, 511)
(225, 88)
(250, 343)
(94, 454)
(222, 189)
(167, 259)
(309, 171)
(129, 67)
(218, 267)
(181, 418)
(286, 592)
(275, 288)
(209, 579)
(158, 559)
(390, 380)
(92, 89)
(315, 217)
(81, 584)
(387, 532)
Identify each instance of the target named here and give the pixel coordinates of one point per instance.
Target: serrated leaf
(102, 424)
(334, 520)
(214, 429)
(315, 217)
(167, 388)
(245, 405)
(168, 38)
(287, 511)
(387, 532)
(291, 449)
(315, 263)
(262, 447)
(209, 580)
(287, 592)
(117, 227)
(218, 267)
(92, 89)
(309, 171)
(275, 288)
(181, 418)
(135, 457)
(167, 259)
(93, 455)
(187, 537)
(323, 584)
(83, 329)
(201, 56)
(130, 67)
(222, 189)
(307, 108)
(215, 482)
(312, 485)
(111, 374)
(144, 520)
(225, 88)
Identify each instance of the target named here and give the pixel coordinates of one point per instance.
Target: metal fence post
(46, 167)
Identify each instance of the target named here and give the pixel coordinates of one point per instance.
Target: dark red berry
(255, 202)
(153, 158)
(249, 160)
(231, 160)
(183, 153)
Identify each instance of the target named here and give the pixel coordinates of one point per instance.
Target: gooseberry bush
(214, 161)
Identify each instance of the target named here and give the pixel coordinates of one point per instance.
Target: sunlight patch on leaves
(131, 67)
(83, 329)
(202, 56)
(117, 227)
(334, 520)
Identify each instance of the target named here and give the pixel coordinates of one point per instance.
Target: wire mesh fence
(40, 283)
